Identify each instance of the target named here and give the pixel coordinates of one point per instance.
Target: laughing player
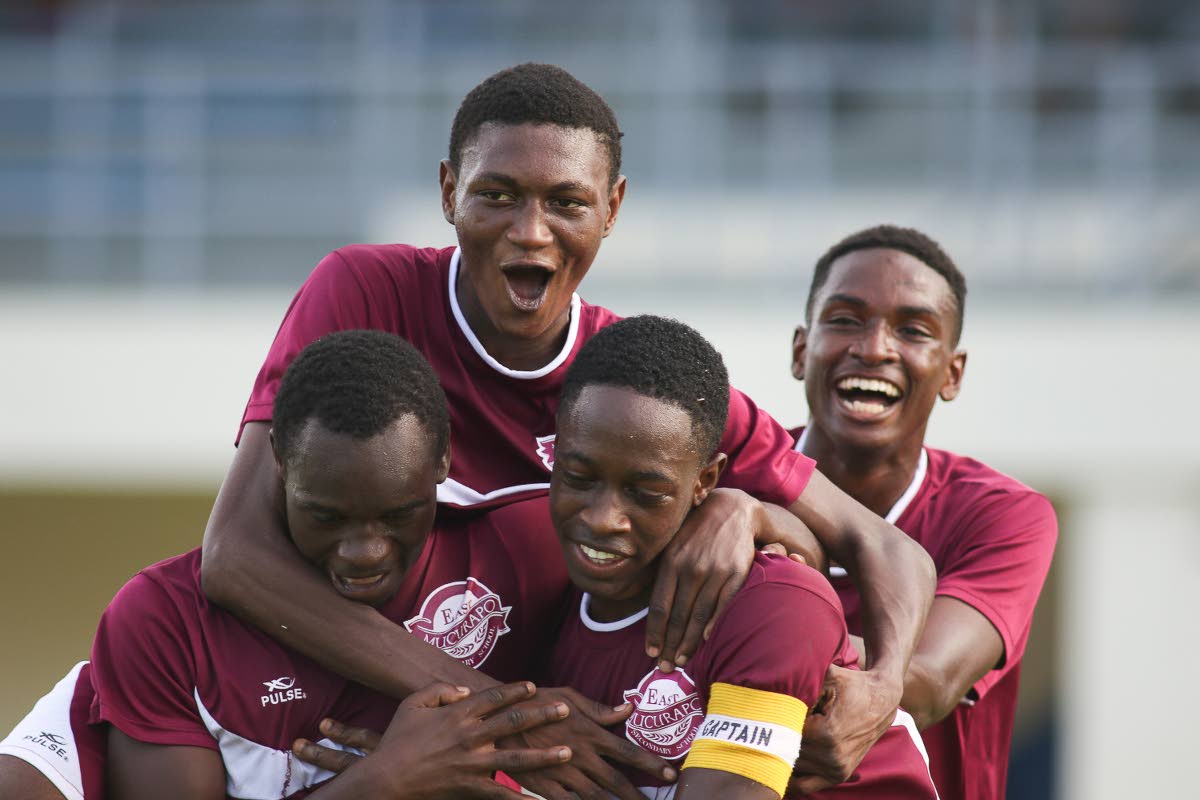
(532, 186)
(879, 347)
(194, 704)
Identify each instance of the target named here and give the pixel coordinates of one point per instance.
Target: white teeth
(865, 407)
(599, 555)
(868, 385)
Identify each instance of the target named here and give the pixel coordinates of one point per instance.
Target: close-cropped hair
(537, 94)
(358, 383)
(905, 240)
(659, 358)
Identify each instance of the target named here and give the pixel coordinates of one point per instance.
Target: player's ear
(280, 467)
(616, 195)
(443, 469)
(706, 481)
(954, 375)
(799, 346)
(448, 180)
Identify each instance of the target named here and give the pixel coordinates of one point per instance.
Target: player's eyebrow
(495, 177)
(570, 186)
(916, 311)
(845, 299)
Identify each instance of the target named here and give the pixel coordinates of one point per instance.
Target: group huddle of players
(481, 538)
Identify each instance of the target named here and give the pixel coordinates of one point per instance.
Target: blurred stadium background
(170, 172)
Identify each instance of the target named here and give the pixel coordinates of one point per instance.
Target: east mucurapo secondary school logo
(666, 713)
(462, 619)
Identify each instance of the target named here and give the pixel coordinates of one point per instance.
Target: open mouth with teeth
(600, 558)
(527, 286)
(867, 397)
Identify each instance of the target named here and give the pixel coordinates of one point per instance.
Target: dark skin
(531, 204)
(883, 315)
(18, 779)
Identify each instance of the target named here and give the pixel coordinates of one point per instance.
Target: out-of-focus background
(170, 172)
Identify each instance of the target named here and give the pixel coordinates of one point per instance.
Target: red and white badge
(462, 619)
(666, 713)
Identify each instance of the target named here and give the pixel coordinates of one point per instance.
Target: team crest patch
(666, 713)
(462, 619)
(545, 449)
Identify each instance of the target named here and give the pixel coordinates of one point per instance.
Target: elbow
(929, 697)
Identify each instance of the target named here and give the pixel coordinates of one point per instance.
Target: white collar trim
(909, 493)
(555, 363)
(606, 627)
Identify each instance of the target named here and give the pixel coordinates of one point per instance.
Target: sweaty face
(530, 204)
(626, 473)
(880, 349)
(362, 509)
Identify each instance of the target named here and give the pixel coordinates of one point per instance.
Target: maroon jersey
(740, 704)
(501, 420)
(170, 668)
(991, 539)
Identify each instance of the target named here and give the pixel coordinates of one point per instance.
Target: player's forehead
(331, 466)
(619, 428)
(528, 151)
(886, 279)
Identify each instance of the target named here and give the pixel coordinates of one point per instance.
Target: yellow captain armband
(750, 732)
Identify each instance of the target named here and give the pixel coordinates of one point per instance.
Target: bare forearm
(781, 526)
(894, 575)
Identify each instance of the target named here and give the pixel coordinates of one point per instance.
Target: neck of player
(875, 477)
(515, 352)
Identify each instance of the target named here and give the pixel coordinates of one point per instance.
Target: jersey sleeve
(769, 654)
(761, 459)
(999, 566)
(334, 298)
(142, 671)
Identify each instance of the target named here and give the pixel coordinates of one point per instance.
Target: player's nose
(530, 228)
(604, 514)
(874, 344)
(364, 552)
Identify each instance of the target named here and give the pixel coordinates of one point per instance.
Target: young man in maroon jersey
(878, 348)
(532, 186)
(183, 700)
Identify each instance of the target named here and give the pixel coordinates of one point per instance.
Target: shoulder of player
(593, 318)
(770, 574)
(370, 263)
(974, 482)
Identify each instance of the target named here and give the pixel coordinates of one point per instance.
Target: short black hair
(906, 240)
(538, 94)
(358, 383)
(659, 358)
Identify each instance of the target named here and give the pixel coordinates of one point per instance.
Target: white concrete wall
(1089, 403)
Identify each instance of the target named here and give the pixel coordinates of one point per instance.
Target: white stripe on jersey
(477, 346)
(452, 492)
(256, 772)
(28, 740)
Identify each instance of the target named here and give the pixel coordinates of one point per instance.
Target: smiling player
(532, 185)
(639, 427)
(884, 317)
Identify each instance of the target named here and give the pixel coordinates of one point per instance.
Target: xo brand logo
(462, 619)
(666, 713)
(281, 690)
